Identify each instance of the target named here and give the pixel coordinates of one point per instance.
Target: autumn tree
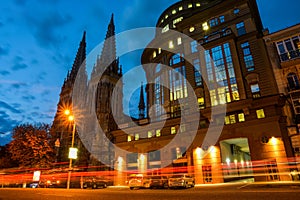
(31, 146)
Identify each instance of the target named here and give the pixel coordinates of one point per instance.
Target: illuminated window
(173, 12)
(179, 42)
(180, 8)
(173, 130)
(232, 119)
(240, 27)
(222, 19)
(201, 102)
(260, 114)
(154, 54)
(227, 120)
(205, 26)
(150, 134)
(192, 29)
(171, 44)
(165, 29)
(129, 138)
(190, 5)
(175, 21)
(157, 133)
(166, 16)
(136, 136)
(241, 117)
(213, 22)
(248, 59)
(220, 72)
(198, 4)
(159, 50)
(178, 83)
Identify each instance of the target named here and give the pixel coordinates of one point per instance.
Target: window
(201, 103)
(227, 120)
(178, 83)
(179, 42)
(175, 21)
(136, 136)
(213, 22)
(289, 48)
(293, 81)
(260, 113)
(205, 26)
(173, 130)
(198, 4)
(178, 152)
(158, 95)
(154, 54)
(182, 128)
(194, 46)
(221, 76)
(175, 59)
(173, 12)
(236, 11)
(165, 29)
(255, 90)
(171, 44)
(150, 134)
(129, 138)
(180, 8)
(232, 119)
(222, 18)
(241, 117)
(157, 133)
(190, 5)
(192, 29)
(248, 59)
(197, 72)
(159, 50)
(240, 27)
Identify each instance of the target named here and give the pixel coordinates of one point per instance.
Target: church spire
(142, 104)
(79, 59)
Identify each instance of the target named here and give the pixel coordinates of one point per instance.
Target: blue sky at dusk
(39, 40)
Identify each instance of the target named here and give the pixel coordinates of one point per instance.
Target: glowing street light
(72, 150)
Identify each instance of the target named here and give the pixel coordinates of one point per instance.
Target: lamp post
(72, 150)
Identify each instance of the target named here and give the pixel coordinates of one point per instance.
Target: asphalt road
(232, 192)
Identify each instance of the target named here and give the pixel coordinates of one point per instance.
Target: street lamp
(72, 150)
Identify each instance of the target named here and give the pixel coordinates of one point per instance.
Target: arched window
(293, 81)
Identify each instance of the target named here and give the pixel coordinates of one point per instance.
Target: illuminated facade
(284, 51)
(230, 67)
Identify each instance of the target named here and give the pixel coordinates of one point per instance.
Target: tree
(5, 158)
(31, 146)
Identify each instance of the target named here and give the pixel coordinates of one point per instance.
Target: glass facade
(221, 75)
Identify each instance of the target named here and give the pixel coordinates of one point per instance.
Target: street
(215, 192)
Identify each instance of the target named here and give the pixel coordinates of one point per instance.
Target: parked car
(52, 182)
(138, 181)
(158, 181)
(181, 180)
(95, 182)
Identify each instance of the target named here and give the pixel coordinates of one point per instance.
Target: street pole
(70, 164)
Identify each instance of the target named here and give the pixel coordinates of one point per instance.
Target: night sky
(39, 40)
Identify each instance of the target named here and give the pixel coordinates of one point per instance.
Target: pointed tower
(61, 130)
(142, 104)
(108, 64)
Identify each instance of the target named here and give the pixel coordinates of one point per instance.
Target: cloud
(9, 107)
(7, 124)
(28, 98)
(18, 63)
(18, 85)
(4, 72)
(46, 28)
